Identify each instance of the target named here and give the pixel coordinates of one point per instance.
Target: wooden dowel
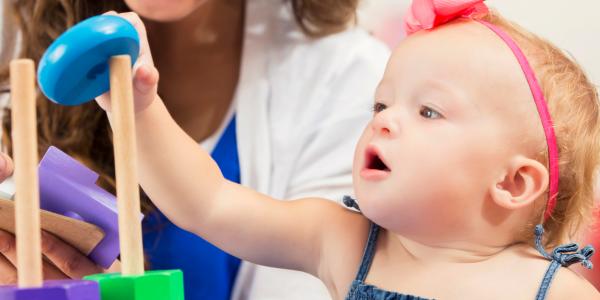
(25, 154)
(128, 197)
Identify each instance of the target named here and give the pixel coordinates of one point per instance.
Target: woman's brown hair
(83, 131)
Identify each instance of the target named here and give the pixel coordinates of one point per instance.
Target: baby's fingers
(145, 75)
(145, 56)
(145, 83)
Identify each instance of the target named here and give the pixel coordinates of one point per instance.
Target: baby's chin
(417, 219)
(389, 213)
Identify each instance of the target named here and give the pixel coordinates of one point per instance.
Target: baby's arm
(187, 186)
(316, 236)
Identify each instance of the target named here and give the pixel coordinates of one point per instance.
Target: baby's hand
(145, 75)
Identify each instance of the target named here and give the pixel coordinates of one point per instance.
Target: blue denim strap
(564, 255)
(541, 294)
(367, 258)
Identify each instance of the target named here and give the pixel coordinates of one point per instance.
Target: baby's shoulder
(531, 268)
(569, 284)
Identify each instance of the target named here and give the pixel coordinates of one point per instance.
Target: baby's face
(451, 109)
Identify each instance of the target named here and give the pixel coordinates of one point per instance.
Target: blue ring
(74, 69)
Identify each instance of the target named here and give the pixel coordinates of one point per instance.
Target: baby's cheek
(432, 209)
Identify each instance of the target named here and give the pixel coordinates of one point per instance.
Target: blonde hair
(575, 110)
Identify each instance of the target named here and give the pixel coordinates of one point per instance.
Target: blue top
(564, 255)
(208, 273)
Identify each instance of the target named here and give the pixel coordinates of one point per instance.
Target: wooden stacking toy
(27, 212)
(91, 58)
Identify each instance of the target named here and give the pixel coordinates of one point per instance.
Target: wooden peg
(128, 198)
(25, 154)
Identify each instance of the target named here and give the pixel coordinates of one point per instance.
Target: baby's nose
(384, 125)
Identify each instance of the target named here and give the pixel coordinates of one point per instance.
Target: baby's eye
(379, 107)
(429, 113)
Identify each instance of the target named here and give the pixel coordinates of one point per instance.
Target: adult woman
(271, 88)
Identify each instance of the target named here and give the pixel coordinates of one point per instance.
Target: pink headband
(428, 14)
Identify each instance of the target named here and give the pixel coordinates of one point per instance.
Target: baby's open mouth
(374, 161)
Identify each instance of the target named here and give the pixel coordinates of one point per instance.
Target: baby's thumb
(145, 85)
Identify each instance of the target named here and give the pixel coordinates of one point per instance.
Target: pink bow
(428, 14)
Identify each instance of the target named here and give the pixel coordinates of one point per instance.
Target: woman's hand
(62, 261)
(145, 75)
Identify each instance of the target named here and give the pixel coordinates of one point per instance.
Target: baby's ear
(524, 181)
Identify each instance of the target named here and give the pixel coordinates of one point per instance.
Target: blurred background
(572, 25)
